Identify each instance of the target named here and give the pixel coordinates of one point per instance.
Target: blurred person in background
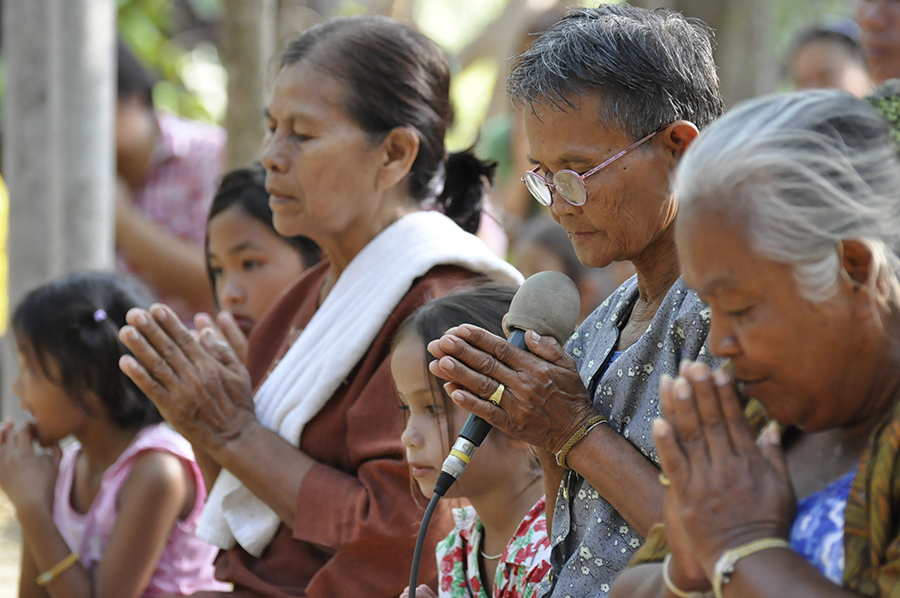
(879, 22)
(830, 58)
(168, 168)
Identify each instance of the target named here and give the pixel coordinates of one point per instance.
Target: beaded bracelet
(57, 569)
(576, 438)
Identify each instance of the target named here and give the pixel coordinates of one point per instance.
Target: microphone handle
(517, 339)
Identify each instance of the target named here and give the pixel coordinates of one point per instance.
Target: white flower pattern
(627, 394)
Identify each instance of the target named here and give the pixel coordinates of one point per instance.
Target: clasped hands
(545, 401)
(725, 487)
(197, 382)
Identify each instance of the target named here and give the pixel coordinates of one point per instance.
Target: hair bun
(467, 180)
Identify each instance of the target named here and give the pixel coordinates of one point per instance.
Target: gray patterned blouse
(591, 542)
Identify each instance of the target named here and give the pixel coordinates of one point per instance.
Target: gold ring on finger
(498, 394)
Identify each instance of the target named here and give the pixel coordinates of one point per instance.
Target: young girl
(248, 262)
(114, 514)
(499, 546)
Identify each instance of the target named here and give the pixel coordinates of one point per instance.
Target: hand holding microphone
(545, 400)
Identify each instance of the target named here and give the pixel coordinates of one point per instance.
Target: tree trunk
(58, 133)
(248, 44)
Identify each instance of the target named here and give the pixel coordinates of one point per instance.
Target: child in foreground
(114, 514)
(499, 547)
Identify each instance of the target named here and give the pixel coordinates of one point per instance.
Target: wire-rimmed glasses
(568, 183)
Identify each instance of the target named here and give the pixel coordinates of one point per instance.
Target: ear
(856, 260)
(677, 136)
(400, 147)
(856, 270)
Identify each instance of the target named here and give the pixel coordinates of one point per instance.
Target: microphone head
(548, 303)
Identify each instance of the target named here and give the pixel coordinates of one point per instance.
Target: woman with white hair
(789, 228)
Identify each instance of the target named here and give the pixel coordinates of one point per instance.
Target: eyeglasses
(568, 183)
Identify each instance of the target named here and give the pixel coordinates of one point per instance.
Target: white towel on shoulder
(327, 350)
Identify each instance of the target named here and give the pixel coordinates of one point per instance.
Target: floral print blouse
(523, 564)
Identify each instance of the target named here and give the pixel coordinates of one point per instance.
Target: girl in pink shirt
(114, 514)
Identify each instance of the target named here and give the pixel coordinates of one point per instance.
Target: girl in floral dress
(499, 545)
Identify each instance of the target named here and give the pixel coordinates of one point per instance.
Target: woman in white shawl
(311, 494)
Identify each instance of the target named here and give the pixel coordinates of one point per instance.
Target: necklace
(491, 557)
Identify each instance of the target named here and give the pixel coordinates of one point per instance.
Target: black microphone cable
(470, 438)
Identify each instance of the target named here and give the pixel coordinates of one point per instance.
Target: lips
(418, 470)
(749, 386)
(244, 323)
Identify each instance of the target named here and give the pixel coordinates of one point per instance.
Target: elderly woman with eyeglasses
(612, 98)
(790, 229)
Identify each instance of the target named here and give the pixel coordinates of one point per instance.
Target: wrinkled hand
(199, 385)
(422, 591)
(28, 477)
(545, 401)
(225, 327)
(726, 489)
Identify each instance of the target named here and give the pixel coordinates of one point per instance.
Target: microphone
(548, 303)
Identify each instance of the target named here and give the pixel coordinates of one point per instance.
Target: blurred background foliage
(178, 40)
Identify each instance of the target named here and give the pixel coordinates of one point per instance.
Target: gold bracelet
(57, 569)
(724, 567)
(675, 589)
(576, 437)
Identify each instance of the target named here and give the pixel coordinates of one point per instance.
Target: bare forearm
(209, 468)
(46, 547)
(643, 581)
(621, 475)
(164, 260)
(28, 587)
(268, 466)
(777, 573)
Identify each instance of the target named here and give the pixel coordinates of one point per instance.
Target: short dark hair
(397, 77)
(132, 78)
(74, 322)
(824, 34)
(648, 67)
(246, 188)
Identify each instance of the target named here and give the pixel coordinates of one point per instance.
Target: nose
(411, 438)
(722, 339)
(560, 207)
(273, 157)
(19, 390)
(232, 292)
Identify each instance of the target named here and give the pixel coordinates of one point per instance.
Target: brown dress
(357, 518)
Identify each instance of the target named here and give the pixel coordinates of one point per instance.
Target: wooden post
(248, 45)
(58, 139)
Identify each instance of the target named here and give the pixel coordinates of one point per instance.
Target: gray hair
(648, 68)
(803, 172)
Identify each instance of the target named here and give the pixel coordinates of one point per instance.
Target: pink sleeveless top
(185, 565)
